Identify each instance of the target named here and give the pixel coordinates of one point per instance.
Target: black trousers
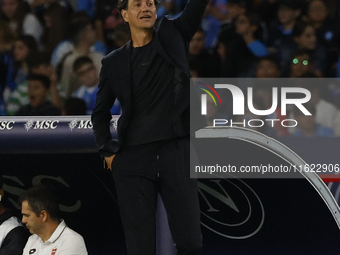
(143, 171)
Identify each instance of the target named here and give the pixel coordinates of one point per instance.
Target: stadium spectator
(51, 235)
(19, 19)
(302, 64)
(83, 38)
(6, 62)
(227, 29)
(248, 25)
(267, 67)
(207, 61)
(267, 10)
(13, 235)
(246, 47)
(303, 38)
(38, 64)
(215, 15)
(67, 46)
(38, 90)
(171, 8)
(87, 74)
(24, 47)
(107, 20)
(326, 31)
(56, 22)
(87, 5)
(288, 13)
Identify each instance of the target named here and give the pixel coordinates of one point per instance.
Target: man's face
(317, 11)
(287, 15)
(197, 43)
(267, 69)
(307, 40)
(21, 50)
(30, 219)
(243, 25)
(89, 34)
(37, 93)
(234, 10)
(9, 7)
(87, 75)
(140, 14)
(300, 65)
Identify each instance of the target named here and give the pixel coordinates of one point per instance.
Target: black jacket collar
(5, 216)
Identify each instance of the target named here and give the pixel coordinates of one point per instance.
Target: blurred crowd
(51, 51)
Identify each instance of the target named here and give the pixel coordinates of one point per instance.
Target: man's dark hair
(80, 62)
(77, 29)
(41, 78)
(29, 41)
(123, 5)
(270, 58)
(38, 59)
(74, 106)
(41, 198)
(1, 181)
(241, 3)
(301, 52)
(290, 4)
(300, 27)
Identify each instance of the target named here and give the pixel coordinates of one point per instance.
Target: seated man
(40, 213)
(38, 90)
(13, 236)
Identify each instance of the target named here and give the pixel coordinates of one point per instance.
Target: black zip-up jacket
(15, 240)
(172, 43)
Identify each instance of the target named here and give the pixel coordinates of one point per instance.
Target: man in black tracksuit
(150, 77)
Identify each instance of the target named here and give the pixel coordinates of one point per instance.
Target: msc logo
(230, 208)
(41, 124)
(238, 99)
(6, 125)
(82, 124)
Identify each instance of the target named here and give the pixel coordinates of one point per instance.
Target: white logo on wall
(6, 125)
(81, 124)
(28, 125)
(114, 124)
(41, 124)
(230, 208)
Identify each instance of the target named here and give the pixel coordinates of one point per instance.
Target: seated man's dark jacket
(15, 240)
(171, 42)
